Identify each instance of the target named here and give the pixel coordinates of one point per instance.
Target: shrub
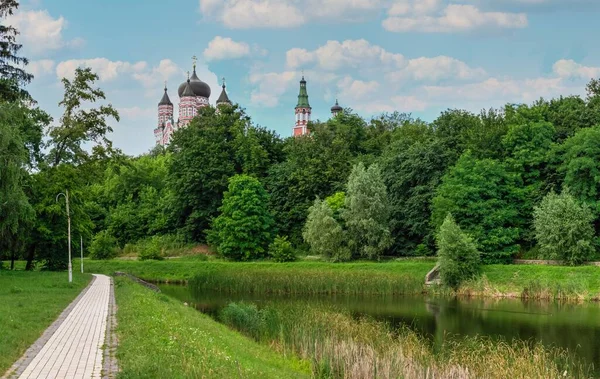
(563, 228)
(151, 249)
(103, 246)
(281, 250)
(324, 234)
(458, 257)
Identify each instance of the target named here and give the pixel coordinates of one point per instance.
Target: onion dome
(165, 99)
(199, 88)
(223, 98)
(187, 90)
(336, 108)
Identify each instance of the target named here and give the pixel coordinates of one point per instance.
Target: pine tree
(12, 76)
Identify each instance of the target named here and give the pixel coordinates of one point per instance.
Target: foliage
(281, 250)
(324, 234)
(13, 76)
(104, 246)
(484, 197)
(336, 201)
(14, 204)
(80, 123)
(563, 228)
(205, 154)
(151, 248)
(458, 257)
(244, 229)
(411, 172)
(366, 213)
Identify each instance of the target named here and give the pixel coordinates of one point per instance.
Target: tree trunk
(12, 259)
(30, 257)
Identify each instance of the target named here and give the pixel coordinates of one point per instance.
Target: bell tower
(302, 111)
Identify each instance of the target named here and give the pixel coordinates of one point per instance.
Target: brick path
(75, 349)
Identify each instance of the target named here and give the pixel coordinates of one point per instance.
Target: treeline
(353, 188)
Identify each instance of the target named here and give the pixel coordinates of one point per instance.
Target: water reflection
(572, 326)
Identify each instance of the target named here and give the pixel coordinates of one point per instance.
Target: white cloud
(571, 69)
(154, 77)
(106, 69)
(270, 87)
(40, 32)
(41, 68)
(452, 18)
(357, 90)
(225, 48)
(243, 14)
(435, 69)
(350, 53)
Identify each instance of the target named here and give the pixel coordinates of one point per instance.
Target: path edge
(110, 366)
(21, 364)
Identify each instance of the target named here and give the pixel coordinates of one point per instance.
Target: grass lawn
(534, 281)
(29, 303)
(160, 337)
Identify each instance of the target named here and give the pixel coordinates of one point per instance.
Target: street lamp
(69, 229)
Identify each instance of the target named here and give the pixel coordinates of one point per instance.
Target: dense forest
(353, 188)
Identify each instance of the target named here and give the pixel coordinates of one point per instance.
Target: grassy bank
(341, 346)
(161, 336)
(395, 277)
(29, 303)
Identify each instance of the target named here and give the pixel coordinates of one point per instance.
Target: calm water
(575, 327)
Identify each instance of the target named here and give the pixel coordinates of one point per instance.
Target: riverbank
(162, 336)
(389, 278)
(29, 303)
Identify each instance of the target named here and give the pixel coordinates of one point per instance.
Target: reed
(340, 346)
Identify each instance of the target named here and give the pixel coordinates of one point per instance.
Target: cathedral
(194, 94)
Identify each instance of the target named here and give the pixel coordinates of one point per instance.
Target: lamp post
(69, 230)
(81, 253)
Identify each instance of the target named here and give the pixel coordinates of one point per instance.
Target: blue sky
(415, 56)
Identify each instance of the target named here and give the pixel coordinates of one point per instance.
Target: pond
(575, 327)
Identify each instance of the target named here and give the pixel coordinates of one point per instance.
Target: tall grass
(308, 278)
(341, 346)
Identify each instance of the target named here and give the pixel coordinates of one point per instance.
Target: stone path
(75, 348)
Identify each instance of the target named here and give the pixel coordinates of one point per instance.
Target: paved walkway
(75, 349)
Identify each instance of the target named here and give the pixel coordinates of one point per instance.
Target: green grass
(393, 277)
(161, 338)
(29, 303)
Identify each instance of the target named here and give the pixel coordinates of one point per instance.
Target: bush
(458, 257)
(281, 250)
(324, 234)
(151, 249)
(103, 246)
(563, 228)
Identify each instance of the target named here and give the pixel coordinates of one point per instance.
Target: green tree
(563, 228)
(12, 75)
(15, 209)
(245, 228)
(411, 173)
(324, 234)
(80, 123)
(103, 246)
(366, 212)
(205, 154)
(458, 257)
(484, 198)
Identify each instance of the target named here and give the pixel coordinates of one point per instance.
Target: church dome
(336, 107)
(198, 86)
